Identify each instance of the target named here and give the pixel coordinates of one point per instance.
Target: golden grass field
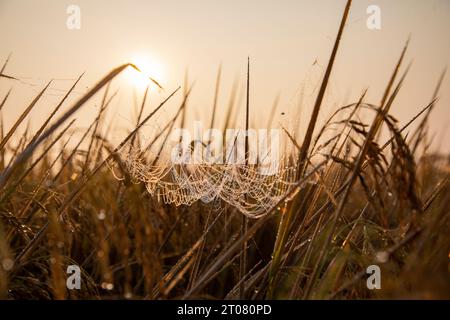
(373, 201)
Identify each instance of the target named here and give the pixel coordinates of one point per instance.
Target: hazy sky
(283, 39)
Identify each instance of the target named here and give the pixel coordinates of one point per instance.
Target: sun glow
(151, 73)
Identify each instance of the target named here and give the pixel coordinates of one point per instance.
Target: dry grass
(369, 203)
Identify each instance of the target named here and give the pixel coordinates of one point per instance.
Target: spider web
(248, 188)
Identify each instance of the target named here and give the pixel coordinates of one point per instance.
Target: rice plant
(347, 200)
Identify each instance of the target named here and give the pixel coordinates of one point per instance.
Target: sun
(151, 73)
